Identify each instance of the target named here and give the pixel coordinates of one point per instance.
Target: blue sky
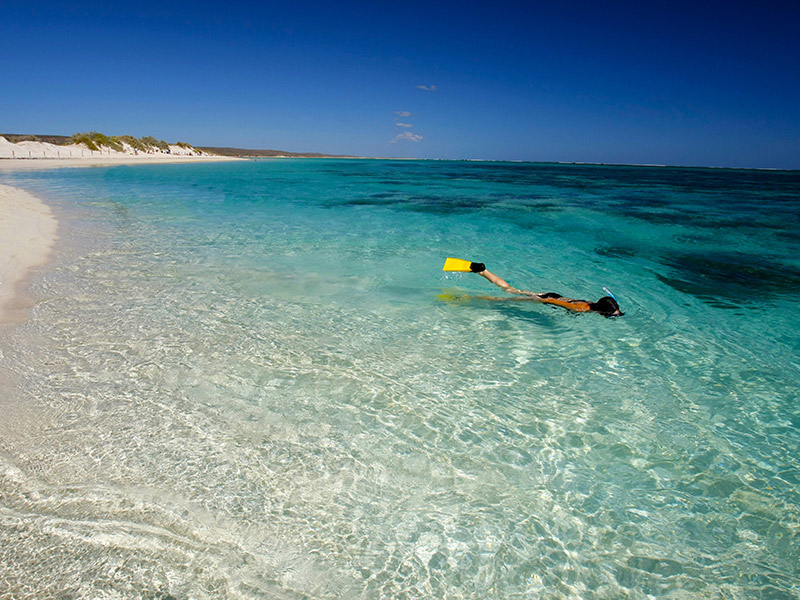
(712, 84)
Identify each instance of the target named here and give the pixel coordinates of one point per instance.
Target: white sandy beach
(42, 155)
(27, 233)
(18, 164)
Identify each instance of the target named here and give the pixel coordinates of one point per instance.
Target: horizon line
(325, 155)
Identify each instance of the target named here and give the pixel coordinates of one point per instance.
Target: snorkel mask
(618, 312)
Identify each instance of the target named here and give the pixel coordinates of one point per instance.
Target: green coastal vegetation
(95, 140)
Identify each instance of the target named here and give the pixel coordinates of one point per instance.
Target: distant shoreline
(93, 145)
(255, 153)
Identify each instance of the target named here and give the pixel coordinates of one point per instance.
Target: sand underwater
(253, 380)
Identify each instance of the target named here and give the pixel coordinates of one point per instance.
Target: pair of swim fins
(457, 264)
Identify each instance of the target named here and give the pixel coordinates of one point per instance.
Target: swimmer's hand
(477, 267)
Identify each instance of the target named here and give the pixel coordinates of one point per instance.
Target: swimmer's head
(607, 307)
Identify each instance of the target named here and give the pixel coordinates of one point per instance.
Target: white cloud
(403, 124)
(427, 88)
(402, 113)
(407, 136)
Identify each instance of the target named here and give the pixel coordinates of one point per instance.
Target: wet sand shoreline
(28, 232)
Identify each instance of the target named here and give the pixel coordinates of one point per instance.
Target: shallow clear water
(253, 380)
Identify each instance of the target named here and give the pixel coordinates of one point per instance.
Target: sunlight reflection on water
(275, 392)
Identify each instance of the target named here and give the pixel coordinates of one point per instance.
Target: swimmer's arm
(503, 284)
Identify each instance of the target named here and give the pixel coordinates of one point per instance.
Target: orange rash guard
(568, 303)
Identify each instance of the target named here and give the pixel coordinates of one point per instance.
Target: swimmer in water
(606, 306)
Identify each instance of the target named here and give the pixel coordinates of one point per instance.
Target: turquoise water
(253, 380)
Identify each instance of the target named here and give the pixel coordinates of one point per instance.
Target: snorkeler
(606, 306)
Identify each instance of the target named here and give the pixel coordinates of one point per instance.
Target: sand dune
(31, 154)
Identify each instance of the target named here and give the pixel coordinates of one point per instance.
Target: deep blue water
(254, 380)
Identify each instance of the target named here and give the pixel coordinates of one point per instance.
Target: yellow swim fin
(456, 264)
